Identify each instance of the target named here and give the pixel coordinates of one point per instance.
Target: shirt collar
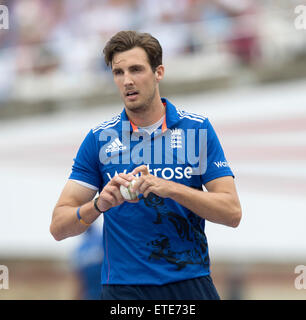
(171, 117)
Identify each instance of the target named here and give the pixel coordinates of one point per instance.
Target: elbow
(235, 218)
(55, 234)
(55, 228)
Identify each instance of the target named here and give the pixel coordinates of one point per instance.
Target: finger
(108, 197)
(143, 169)
(127, 176)
(138, 182)
(144, 186)
(121, 180)
(117, 195)
(114, 193)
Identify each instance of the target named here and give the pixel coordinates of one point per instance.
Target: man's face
(136, 81)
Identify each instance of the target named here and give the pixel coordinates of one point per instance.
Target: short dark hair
(126, 40)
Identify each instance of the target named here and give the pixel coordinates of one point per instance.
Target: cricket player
(155, 246)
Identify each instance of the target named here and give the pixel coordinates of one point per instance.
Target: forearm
(65, 222)
(215, 207)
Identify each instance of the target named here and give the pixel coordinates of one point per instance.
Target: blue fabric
(192, 289)
(155, 241)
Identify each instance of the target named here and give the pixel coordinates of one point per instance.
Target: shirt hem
(220, 175)
(154, 284)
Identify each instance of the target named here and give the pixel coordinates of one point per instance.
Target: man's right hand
(111, 196)
(65, 222)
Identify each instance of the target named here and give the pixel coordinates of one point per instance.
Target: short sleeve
(217, 165)
(86, 163)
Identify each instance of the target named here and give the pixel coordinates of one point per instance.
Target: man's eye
(136, 69)
(117, 72)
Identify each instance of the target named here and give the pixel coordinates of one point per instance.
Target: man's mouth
(132, 93)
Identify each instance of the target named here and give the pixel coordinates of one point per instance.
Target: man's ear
(159, 73)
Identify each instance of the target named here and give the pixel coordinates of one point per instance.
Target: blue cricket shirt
(155, 241)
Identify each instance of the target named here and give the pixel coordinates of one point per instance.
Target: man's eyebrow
(130, 67)
(136, 65)
(116, 69)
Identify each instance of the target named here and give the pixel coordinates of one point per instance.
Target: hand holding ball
(126, 192)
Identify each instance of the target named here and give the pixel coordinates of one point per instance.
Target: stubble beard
(141, 107)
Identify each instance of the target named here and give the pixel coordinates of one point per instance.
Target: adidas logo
(116, 145)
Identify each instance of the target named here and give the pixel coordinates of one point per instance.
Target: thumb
(143, 169)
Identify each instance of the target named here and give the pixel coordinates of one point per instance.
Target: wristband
(80, 219)
(96, 206)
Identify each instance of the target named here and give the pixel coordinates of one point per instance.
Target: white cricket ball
(126, 192)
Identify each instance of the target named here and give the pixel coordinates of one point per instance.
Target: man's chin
(133, 105)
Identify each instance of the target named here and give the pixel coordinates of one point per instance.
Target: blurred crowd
(69, 35)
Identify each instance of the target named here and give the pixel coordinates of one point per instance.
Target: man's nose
(128, 80)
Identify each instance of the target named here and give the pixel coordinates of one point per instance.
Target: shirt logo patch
(176, 138)
(116, 145)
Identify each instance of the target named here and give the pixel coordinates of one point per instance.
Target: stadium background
(241, 63)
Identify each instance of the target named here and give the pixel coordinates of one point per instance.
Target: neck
(149, 115)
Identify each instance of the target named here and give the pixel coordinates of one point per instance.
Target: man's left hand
(147, 183)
